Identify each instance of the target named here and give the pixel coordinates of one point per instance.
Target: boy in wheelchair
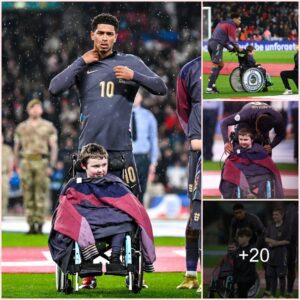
(247, 170)
(91, 201)
(248, 61)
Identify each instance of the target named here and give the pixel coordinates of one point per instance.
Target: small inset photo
(250, 50)
(250, 249)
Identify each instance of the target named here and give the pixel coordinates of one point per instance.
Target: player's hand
(268, 148)
(228, 148)
(122, 72)
(90, 56)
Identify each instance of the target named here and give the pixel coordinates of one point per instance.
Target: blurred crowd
(39, 44)
(260, 20)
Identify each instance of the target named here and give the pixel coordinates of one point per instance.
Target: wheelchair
(132, 259)
(222, 281)
(248, 79)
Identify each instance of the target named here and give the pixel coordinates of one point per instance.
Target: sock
(191, 273)
(213, 76)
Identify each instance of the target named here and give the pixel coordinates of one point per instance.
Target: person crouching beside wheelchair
(250, 62)
(244, 271)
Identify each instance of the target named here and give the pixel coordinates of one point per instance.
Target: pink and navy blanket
(95, 208)
(248, 163)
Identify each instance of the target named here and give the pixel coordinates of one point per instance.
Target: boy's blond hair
(92, 150)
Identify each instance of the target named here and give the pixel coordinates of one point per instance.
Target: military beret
(32, 103)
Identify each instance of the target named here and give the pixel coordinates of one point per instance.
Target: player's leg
(127, 170)
(291, 266)
(216, 53)
(281, 272)
(193, 226)
(285, 75)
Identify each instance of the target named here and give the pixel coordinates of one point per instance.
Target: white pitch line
(179, 252)
(42, 263)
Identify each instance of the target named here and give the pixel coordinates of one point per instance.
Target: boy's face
(277, 217)
(243, 240)
(245, 141)
(96, 167)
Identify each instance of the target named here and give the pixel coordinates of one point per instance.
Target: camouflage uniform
(7, 155)
(34, 163)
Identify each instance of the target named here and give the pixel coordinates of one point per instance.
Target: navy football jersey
(106, 102)
(248, 114)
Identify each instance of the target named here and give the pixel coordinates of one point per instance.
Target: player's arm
(279, 129)
(232, 38)
(183, 106)
(67, 78)
(194, 128)
(154, 150)
(225, 123)
(232, 232)
(259, 228)
(142, 75)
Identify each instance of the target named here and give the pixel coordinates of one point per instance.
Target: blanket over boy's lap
(247, 163)
(94, 206)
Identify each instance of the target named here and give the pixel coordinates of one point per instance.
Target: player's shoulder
(192, 65)
(127, 56)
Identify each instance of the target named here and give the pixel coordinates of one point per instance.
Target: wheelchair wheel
(253, 291)
(253, 80)
(225, 287)
(235, 80)
(138, 273)
(59, 279)
(63, 283)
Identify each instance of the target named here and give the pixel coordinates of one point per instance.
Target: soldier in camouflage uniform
(33, 137)
(7, 170)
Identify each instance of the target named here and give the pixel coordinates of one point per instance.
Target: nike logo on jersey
(92, 71)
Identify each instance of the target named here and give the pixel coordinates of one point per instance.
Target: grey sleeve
(65, 79)
(148, 79)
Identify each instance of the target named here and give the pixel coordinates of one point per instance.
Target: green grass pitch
(283, 57)
(161, 285)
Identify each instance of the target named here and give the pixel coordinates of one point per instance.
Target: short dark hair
(279, 209)
(245, 232)
(105, 18)
(264, 123)
(250, 48)
(235, 16)
(92, 150)
(238, 206)
(246, 131)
